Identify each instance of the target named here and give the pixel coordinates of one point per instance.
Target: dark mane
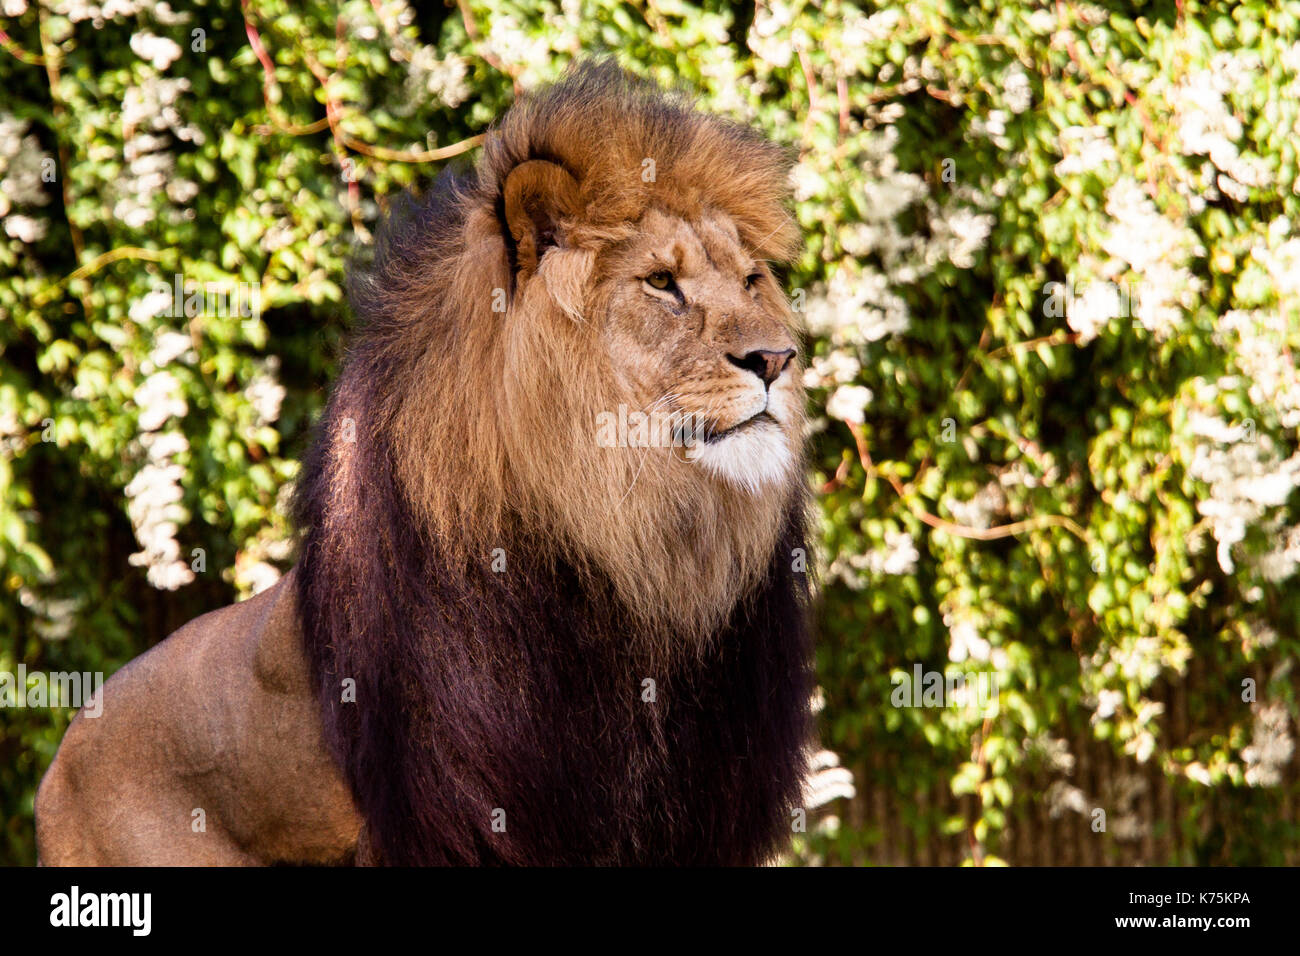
(516, 697)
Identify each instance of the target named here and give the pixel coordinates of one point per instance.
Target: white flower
(1279, 254)
(859, 32)
(154, 506)
(1246, 480)
(1017, 89)
(152, 105)
(164, 14)
(25, 229)
(169, 575)
(965, 641)
(169, 346)
(806, 181)
(768, 34)
(181, 191)
(848, 403)
(1142, 746)
(79, 10)
(444, 78)
(1280, 562)
(162, 446)
(1206, 124)
(512, 45)
(1091, 311)
(1042, 21)
(257, 577)
(992, 126)
(265, 394)
(1108, 702)
(1158, 250)
(159, 399)
(837, 368)
(22, 163)
(447, 80)
(1085, 148)
(965, 232)
(160, 51)
(154, 494)
(1141, 236)
(1062, 797)
(1055, 751)
(1271, 746)
(826, 781)
(898, 556)
(856, 308)
(150, 306)
(979, 511)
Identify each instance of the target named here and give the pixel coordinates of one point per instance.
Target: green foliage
(1088, 499)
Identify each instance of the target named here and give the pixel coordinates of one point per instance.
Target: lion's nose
(766, 364)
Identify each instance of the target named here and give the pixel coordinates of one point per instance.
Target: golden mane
(491, 414)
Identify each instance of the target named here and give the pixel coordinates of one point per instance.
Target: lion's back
(206, 746)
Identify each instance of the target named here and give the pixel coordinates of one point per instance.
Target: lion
(504, 641)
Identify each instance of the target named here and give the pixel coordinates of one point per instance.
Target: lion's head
(608, 264)
(698, 336)
(502, 544)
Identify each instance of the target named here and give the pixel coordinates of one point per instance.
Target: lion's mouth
(753, 421)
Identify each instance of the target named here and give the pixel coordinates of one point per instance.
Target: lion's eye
(662, 280)
(752, 278)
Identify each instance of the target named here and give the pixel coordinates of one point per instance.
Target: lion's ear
(539, 195)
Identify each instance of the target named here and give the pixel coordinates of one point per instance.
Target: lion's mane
(498, 592)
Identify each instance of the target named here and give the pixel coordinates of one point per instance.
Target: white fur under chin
(750, 459)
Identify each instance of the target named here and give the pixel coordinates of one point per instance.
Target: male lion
(504, 640)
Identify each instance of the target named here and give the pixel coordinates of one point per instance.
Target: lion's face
(698, 332)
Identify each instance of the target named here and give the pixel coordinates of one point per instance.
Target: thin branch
(842, 94)
(340, 149)
(961, 531)
(291, 129)
(269, 81)
(945, 96)
(94, 265)
(981, 759)
(115, 255)
(809, 82)
(50, 56)
(475, 38)
(1056, 338)
(841, 475)
(18, 53)
(421, 156)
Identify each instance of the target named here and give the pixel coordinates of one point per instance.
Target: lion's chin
(750, 458)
